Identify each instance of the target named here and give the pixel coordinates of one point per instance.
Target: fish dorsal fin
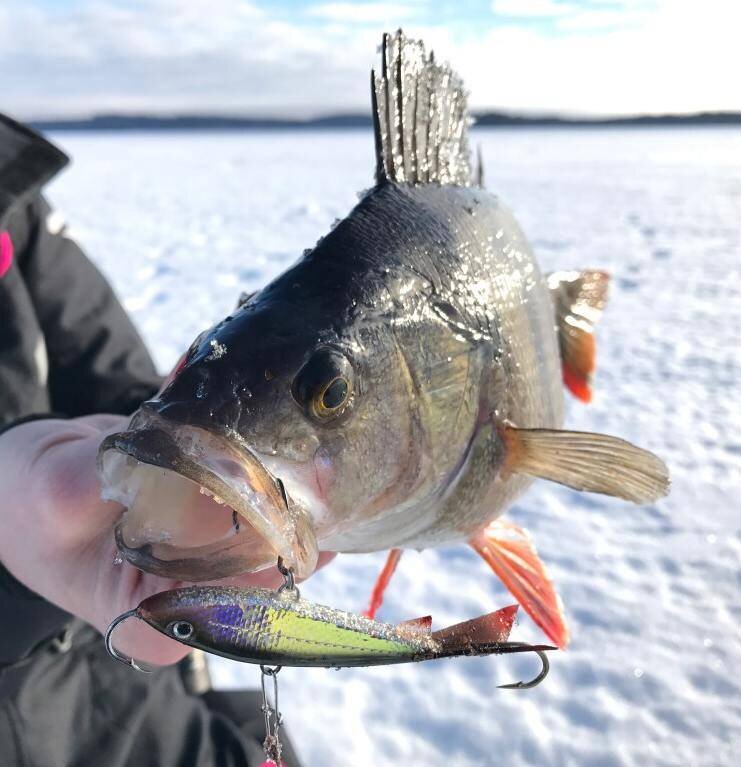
(420, 117)
(597, 463)
(421, 625)
(578, 300)
(479, 167)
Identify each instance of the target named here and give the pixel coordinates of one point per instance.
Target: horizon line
(481, 118)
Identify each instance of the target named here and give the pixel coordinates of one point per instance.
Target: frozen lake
(181, 223)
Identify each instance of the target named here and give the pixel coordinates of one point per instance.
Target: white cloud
(363, 12)
(531, 8)
(680, 58)
(172, 56)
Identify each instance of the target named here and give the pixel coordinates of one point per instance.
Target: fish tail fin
(578, 299)
(471, 636)
(511, 554)
(420, 117)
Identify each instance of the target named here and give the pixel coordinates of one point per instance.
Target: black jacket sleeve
(97, 362)
(68, 346)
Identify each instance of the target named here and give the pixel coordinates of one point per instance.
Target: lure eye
(181, 629)
(324, 385)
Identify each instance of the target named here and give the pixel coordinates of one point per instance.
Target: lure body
(280, 628)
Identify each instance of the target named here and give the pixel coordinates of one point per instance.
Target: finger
(105, 422)
(64, 477)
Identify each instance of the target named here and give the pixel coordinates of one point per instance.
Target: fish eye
(181, 629)
(324, 385)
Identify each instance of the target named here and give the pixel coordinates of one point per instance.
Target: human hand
(57, 533)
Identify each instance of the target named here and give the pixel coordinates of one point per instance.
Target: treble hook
(539, 650)
(113, 652)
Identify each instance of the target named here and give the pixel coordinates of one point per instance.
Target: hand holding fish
(57, 532)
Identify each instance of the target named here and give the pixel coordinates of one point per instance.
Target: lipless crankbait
(280, 628)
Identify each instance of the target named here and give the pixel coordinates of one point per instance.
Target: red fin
(417, 625)
(382, 582)
(578, 299)
(510, 552)
(577, 382)
(488, 629)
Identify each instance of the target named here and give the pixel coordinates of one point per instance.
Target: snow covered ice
(182, 222)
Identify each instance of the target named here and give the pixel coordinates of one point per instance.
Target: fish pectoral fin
(493, 628)
(510, 552)
(578, 300)
(597, 463)
(421, 625)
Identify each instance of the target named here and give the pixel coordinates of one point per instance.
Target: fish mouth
(199, 506)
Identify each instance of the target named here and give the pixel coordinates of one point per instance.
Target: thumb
(60, 466)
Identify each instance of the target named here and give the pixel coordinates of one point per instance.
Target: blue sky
(79, 57)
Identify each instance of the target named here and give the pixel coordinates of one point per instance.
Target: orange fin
(509, 551)
(382, 582)
(488, 629)
(421, 625)
(578, 300)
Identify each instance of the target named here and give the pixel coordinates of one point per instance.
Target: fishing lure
(279, 628)
(255, 625)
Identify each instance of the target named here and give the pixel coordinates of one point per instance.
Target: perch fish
(399, 387)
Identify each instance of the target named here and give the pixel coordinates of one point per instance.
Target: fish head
(277, 428)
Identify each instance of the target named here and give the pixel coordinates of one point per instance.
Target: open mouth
(199, 506)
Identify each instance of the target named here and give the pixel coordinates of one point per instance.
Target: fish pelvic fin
(382, 582)
(509, 550)
(420, 117)
(465, 638)
(597, 463)
(578, 301)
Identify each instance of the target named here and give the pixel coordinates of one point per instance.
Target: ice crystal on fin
(420, 117)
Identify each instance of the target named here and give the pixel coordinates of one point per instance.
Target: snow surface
(180, 223)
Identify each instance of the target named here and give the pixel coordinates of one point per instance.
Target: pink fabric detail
(6, 253)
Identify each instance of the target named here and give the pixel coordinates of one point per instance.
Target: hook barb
(113, 652)
(539, 650)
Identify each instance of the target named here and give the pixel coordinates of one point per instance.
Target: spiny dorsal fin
(479, 167)
(578, 300)
(597, 463)
(420, 117)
